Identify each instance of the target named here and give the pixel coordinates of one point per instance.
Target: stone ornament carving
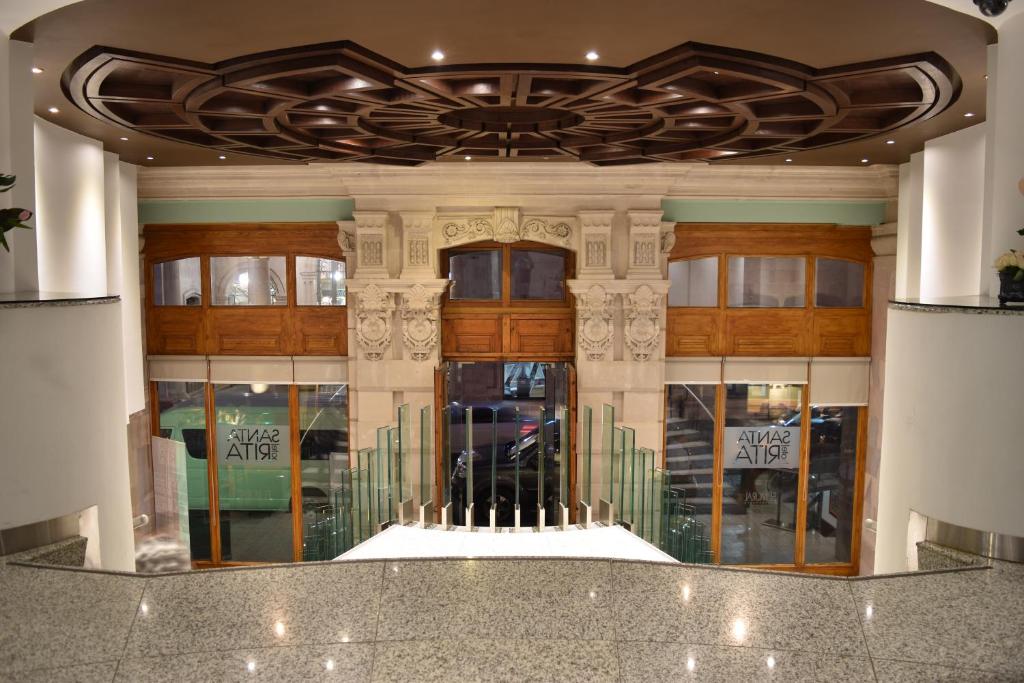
(643, 253)
(373, 321)
(596, 254)
(371, 251)
(505, 225)
(594, 320)
(542, 230)
(419, 322)
(642, 331)
(419, 252)
(668, 242)
(469, 229)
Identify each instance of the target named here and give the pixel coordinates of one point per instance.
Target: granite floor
(509, 620)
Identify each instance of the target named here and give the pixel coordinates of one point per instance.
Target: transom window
(507, 274)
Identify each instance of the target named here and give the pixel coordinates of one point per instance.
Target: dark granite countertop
(40, 299)
(956, 304)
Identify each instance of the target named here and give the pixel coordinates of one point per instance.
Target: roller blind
(177, 368)
(765, 370)
(243, 369)
(321, 370)
(693, 370)
(840, 381)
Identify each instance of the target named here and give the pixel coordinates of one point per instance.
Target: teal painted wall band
(152, 211)
(772, 211)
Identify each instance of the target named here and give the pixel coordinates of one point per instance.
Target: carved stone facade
(420, 331)
(642, 330)
(418, 252)
(595, 330)
(506, 225)
(596, 248)
(644, 245)
(374, 312)
(371, 243)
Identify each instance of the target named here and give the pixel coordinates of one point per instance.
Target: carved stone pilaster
(644, 245)
(371, 244)
(374, 312)
(418, 251)
(420, 311)
(595, 258)
(594, 322)
(642, 331)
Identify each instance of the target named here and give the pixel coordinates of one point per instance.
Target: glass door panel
(253, 449)
(761, 460)
(832, 484)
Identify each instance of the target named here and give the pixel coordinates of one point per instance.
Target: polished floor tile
(888, 671)
(972, 619)
(221, 610)
(102, 672)
(351, 662)
(650, 662)
(54, 618)
(711, 606)
(538, 599)
(471, 659)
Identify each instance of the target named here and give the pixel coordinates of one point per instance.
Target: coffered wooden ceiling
(820, 83)
(341, 102)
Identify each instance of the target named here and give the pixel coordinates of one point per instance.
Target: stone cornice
(440, 184)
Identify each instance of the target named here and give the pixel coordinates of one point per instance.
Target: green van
(253, 446)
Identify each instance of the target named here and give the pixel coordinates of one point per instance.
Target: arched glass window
(319, 281)
(248, 281)
(177, 283)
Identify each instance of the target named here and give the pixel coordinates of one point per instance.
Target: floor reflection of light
(593, 594)
(144, 608)
(739, 629)
(690, 664)
(869, 611)
(329, 665)
(279, 629)
(250, 665)
(344, 639)
(686, 594)
(771, 662)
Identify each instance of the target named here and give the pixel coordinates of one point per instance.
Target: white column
(1007, 146)
(18, 269)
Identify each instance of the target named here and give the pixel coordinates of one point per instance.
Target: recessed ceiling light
(592, 56)
(38, 70)
(150, 158)
(222, 157)
(53, 110)
(469, 158)
(437, 55)
(968, 114)
(986, 77)
(715, 72)
(890, 142)
(789, 161)
(124, 139)
(863, 161)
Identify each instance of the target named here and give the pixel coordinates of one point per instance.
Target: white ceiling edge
(16, 13)
(968, 7)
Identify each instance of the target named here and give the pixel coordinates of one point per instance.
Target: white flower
(1007, 260)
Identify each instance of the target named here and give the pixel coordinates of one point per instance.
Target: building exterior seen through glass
(177, 283)
(248, 280)
(319, 281)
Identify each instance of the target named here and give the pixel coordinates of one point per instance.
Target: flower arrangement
(1010, 266)
(11, 218)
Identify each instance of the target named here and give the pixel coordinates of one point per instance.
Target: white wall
(908, 233)
(70, 215)
(951, 447)
(64, 445)
(951, 216)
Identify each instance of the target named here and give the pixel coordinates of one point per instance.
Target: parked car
(509, 449)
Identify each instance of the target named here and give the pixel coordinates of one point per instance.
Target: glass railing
(638, 495)
(503, 470)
